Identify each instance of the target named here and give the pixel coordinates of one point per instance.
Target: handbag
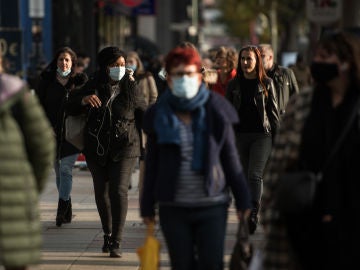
(243, 249)
(74, 130)
(149, 253)
(295, 192)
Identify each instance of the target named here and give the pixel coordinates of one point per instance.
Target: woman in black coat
(56, 82)
(112, 143)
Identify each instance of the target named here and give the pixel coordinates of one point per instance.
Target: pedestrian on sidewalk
(284, 79)
(327, 235)
(57, 80)
(112, 141)
(147, 87)
(27, 149)
(253, 95)
(191, 164)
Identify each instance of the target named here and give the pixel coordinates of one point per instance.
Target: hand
(148, 220)
(92, 100)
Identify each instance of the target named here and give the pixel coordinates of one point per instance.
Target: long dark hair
(260, 71)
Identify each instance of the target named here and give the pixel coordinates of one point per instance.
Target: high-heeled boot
(68, 214)
(106, 245)
(115, 251)
(61, 211)
(254, 218)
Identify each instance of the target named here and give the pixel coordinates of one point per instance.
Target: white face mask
(185, 86)
(116, 73)
(63, 73)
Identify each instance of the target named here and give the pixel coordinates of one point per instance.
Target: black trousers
(111, 183)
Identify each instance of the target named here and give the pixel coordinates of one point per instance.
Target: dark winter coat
(285, 85)
(222, 168)
(27, 149)
(53, 97)
(110, 130)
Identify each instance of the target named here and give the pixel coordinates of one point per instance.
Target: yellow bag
(149, 253)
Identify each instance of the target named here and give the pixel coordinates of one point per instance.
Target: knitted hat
(109, 55)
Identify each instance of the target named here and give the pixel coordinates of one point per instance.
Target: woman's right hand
(92, 100)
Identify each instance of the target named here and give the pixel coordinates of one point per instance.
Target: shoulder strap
(354, 113)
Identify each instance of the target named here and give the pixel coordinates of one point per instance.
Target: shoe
(253, 220)
(61, 212)
(68, 214)
(106, 246)
(115, 251)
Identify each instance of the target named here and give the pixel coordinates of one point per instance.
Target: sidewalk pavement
(77, 246)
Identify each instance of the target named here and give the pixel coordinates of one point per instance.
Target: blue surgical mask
(116, 73)
(63, 73)
(132, 67)
(185, 86)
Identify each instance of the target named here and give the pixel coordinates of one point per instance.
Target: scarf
(166, 123)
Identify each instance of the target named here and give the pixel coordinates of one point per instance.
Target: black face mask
(324, 72)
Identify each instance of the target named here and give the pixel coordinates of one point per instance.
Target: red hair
(186, 56)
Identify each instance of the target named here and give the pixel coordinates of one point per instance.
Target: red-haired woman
(191, 163)
(253, 95)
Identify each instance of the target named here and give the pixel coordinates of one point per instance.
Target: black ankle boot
(106, 246)
(61, 211)
(254, 219)
(115, 251)
(68, 214)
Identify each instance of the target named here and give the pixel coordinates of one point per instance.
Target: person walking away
(112, 142)
(148, 89)
(225, 63)
(191, 165)
(57, 80)
(27, 150)
(284, 79)
(327, 236)
(253, 95)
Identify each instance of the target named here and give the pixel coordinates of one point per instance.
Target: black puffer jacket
(266, 105)
(111, 129)
(53, 97)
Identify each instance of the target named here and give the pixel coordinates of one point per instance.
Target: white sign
(36, 9)
(324, 11)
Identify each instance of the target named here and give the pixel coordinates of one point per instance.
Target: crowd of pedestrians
(199, 144)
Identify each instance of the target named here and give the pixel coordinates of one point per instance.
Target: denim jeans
(254, 151)
(194, 236)
(111, 184)
(63, 170)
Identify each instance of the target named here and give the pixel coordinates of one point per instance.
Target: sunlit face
(248, 63)
(183, 70)
(64, 61)
(267, 58)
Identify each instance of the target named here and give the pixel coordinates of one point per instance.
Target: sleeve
(272, 108)
(153, 92)
(147, 201)
(38, 136)
(294, 88)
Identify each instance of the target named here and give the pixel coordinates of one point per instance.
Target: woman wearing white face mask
(112, 143)
(191, 162)
(56, 82)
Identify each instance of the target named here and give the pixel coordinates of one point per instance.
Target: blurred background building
(32, 30)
